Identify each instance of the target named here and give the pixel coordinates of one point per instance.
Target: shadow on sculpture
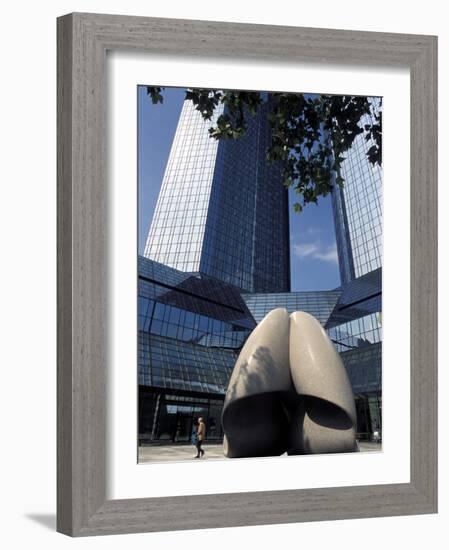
(289, 392)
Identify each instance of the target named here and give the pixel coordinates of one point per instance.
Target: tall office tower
(355, 325)
(358, 209)
(222, 210)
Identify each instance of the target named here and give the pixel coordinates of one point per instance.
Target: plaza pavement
(177, 453)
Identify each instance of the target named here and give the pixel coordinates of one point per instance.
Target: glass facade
(176, 365)
(190, 337)
(217, 260)
(358, 333)
(191, 329)
(246, 240)
(166, 417)
(351, 316)
(359, 298)
(320, 304)
(364, 366)
(355, 323)
(358, 208)
(179, 220)
(355, 327)
(222, 209)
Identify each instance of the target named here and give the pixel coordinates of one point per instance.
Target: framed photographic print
(205, 283)
(246, 274)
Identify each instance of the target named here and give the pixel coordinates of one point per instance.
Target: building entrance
(369, 415)
(170, 418)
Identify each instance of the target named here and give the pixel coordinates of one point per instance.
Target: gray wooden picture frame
(83, 40)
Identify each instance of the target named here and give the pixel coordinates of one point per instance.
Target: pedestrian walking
(200, 437)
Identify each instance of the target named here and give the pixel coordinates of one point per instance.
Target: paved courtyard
(165, 453)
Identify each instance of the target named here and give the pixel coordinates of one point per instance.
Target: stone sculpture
(289, 392)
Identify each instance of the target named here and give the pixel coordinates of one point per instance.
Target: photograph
(226, 220)
(259, 273)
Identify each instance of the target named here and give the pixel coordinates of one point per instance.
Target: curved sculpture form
(254, 418)
(289, 391)
(325, 420)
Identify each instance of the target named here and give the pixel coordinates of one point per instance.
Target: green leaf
(309, 134)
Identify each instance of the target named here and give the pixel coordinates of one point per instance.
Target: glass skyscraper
(355, 325)
(222, 209)
(358, 208)
(177, 229)
(217, 260)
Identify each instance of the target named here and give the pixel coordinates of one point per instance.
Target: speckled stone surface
(254, 418)
(289, 392)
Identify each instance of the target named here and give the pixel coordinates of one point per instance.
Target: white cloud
(313, 231)
(329, 255)
(304, 250)
(316, 251)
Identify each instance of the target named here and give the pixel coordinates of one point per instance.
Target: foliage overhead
(309, 133)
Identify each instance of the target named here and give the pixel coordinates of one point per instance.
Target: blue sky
(313, 253)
